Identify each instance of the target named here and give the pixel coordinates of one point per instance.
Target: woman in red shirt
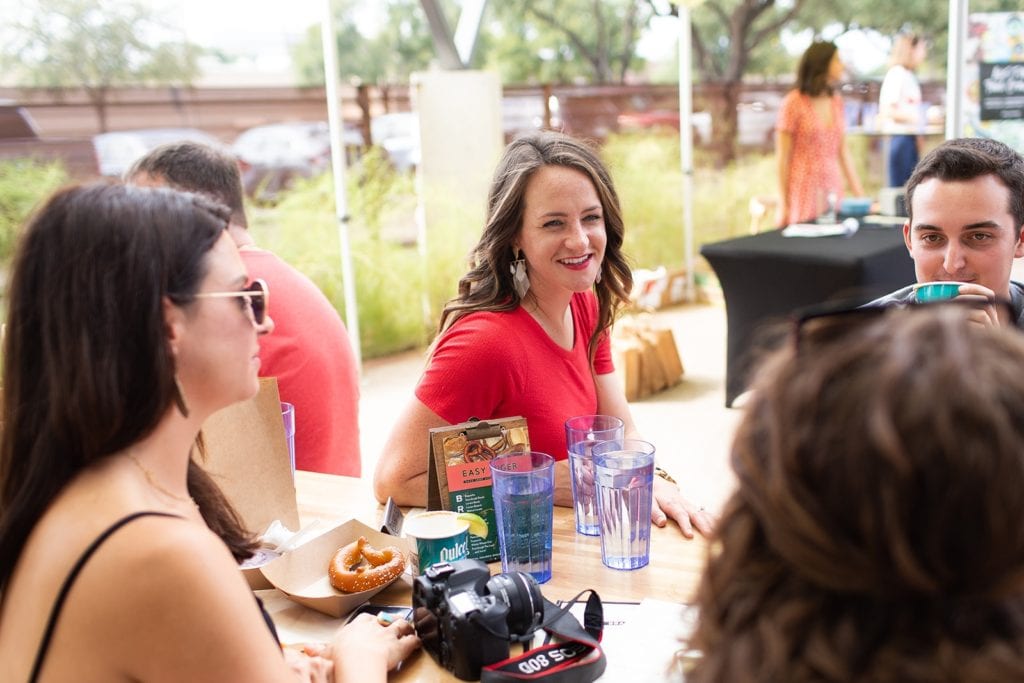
(528, 332)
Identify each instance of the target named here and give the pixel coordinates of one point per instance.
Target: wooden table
(672, 575)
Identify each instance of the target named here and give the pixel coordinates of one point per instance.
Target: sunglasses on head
(821, 325)
(256, 297)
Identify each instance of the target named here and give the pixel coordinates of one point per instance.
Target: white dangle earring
(520, 280)
(597, 281)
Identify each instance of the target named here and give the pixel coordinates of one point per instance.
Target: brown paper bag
(647, 357)
(247, 455)
(627, 363)
(664, 344)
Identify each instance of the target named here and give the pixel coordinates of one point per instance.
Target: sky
(258, 32)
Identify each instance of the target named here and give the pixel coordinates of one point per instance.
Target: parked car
(700, 121)
(116, 151)
(273, 155)
(757, 113)
(521, 114)
(398, 134)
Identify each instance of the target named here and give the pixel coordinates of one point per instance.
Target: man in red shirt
(309, 352)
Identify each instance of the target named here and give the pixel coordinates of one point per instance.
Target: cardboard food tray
(302, 573)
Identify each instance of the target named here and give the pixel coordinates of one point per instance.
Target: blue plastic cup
(624, 476)
(524, 502)
(582, 433)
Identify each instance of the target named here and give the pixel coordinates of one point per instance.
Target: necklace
(156, 485)
(563, 334)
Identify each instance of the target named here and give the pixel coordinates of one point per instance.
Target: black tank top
(62, 595)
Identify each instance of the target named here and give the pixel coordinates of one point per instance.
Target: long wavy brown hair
(488, 284)
(876, 533)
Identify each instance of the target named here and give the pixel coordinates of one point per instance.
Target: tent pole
(955, 69)
(334, 120)
(686, 144)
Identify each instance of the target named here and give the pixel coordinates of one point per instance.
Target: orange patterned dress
(814, 169)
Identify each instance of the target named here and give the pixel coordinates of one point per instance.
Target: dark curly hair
(875, 534)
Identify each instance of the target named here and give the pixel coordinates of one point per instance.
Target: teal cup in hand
(927, 292)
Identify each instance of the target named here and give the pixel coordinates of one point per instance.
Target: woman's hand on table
(360, 645)
(309, 668)
(669, 502)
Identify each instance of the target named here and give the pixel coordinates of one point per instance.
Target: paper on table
(641, 640)
(815, 230)
(883, 221)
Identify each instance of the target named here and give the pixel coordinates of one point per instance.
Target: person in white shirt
(899, 106)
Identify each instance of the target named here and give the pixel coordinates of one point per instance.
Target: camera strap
(577, 658)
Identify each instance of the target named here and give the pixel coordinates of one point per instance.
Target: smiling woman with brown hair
(528, 332)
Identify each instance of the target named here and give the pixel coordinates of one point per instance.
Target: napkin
(846, 229)
(282, 539)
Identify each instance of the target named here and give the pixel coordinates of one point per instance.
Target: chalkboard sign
(1002, 91)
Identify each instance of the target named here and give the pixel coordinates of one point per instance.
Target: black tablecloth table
(765, 277)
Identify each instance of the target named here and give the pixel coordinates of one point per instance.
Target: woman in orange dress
(810, 140)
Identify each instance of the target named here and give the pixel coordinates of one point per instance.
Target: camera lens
(525, 603)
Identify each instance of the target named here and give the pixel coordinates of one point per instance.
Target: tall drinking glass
(524, 499)
(581, 434)
(288, 415)
(624, 475)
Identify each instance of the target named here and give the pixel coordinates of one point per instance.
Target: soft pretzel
(477, 451)
(349, 574)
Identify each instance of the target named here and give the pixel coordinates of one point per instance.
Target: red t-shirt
(310, 354)
(491, 365)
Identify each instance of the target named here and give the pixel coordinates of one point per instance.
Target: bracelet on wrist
(659, 472)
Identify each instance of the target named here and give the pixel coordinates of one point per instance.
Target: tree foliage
(95, 45)
(593, 41)
(927, 18)
(401, 47)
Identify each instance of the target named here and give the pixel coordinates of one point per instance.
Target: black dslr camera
(466, 618)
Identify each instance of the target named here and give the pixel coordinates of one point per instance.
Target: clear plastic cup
(624, 477)
(582, 433)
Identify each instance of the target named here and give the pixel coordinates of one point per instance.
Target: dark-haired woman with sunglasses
(131, 319)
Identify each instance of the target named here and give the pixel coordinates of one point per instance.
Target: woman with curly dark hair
(528, 332)
(876, 532)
